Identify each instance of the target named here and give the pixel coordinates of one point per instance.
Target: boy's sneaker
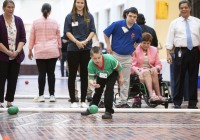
(85, 113)
(84, 105)
(52, 98)
(107, 115)
(74, 105)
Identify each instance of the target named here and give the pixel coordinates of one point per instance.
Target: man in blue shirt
(125, 34)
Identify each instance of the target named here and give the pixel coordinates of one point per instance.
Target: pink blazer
(138, 58)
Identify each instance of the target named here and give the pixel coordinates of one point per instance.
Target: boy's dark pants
(109, 92)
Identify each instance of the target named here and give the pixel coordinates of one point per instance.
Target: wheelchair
(138, 91)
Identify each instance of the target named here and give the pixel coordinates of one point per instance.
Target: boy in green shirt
(106, 69)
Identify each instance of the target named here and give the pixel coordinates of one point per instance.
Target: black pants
(46, 66)
(109, 92)
(75, 58)
(62, 64)
(8, 71)
(189, 61)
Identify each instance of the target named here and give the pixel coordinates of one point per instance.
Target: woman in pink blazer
(147, 65)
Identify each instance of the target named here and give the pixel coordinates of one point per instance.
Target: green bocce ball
(13, 110)
(93, 109)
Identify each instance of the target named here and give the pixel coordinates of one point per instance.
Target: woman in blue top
(79, 28)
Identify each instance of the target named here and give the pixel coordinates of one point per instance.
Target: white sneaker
(74, 105)
(52, 98)
(39, 99)
(84, 105)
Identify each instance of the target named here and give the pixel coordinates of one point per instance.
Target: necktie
(188, 33)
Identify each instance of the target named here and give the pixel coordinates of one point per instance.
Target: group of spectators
(131, 47)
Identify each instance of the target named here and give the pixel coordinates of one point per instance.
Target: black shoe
(89, 97)
(107, 115)
(101, 104)
(122, 106)
(76, 99)
(85, 113)
(177, 106)
(1, 106)
(192, 107)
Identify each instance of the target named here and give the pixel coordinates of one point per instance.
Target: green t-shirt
(110, 64)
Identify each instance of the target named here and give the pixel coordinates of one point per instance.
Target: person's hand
(64, 40)
(109, 50)
(10, 53)
(15, 54)
(154, 70)
(85, 42)
(79, 44)
(121, 80)
(169, 59)
(94, 84)
(60, 57)
(30, 55)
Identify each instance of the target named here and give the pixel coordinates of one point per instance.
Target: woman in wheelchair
(146, 64)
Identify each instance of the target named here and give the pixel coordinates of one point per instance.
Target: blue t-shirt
(123, 37)
(80, 30)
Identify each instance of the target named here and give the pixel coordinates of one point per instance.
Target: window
(96, 21)
(195, 8)
(121, 10)
(108, 17)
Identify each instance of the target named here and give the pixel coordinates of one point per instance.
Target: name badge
(74, 23)
(125, 30)
(103, 75)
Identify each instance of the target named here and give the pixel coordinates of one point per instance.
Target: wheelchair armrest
(160, 77)
(134, 78)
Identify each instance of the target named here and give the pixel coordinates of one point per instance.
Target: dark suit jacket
(21, 37)
(150, 30)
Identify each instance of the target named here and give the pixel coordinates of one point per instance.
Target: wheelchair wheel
(144, 92)
(137, 104)
(115, 98)
(164, 89)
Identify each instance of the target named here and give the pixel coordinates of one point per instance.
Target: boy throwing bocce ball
(106, 69)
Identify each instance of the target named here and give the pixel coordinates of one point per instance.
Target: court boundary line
(117, 110)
